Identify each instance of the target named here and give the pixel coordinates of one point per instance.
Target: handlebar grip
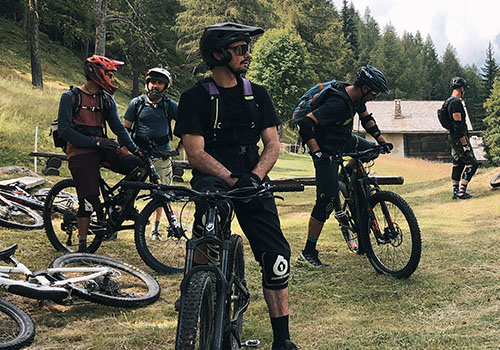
(139, 185)
(289, 188)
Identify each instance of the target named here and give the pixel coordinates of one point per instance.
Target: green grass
(451, 302)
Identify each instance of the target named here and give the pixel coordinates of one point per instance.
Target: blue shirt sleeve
(172, 109)
(131, 109)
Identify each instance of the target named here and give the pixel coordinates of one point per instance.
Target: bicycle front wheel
(59, 217)
(391, 238)
(17, 329)
(196, 321)
(126, 286)
(164, 252)
(15, 215)
(237, 302)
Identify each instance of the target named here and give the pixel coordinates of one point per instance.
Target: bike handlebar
(371, 153)
(239, 193)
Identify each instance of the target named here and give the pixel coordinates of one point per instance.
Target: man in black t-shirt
(464, 161)
(221, 119)
(327, 131)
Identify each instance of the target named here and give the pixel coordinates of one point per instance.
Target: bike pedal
(251, 343)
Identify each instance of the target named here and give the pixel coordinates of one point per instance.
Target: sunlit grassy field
(451, 302)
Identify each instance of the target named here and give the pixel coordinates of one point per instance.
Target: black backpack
(444, 116)
(59, 142)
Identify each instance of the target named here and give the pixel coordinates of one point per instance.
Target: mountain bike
(18, 208)
(61, 205)
(378, 223)
(70, 277)
(17, 329)
(214, 296)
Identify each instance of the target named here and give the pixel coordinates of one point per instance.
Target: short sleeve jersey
(456, 106)
(152, 121)
(335, 119)
(195, 113)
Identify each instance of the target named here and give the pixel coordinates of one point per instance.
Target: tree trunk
(135, 84)
(34, 42)
(101, 7)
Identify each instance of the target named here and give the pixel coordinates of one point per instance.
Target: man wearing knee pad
(221, 119)
(83, 126)
(327, 131)
(464, 161)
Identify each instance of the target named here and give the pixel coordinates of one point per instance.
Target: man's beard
(155, 95)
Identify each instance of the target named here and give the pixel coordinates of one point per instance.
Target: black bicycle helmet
(373, 78)
(458, 82)
(219, 36)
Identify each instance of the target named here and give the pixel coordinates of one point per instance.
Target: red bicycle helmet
(95, 68)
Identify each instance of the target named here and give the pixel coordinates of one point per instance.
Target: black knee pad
(223, 211)
(322, 209)
(275, 271)
(88, 205)
(456, 171)
(470, 171)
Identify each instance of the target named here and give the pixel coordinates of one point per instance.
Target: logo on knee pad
(275, 271)
(280, 267)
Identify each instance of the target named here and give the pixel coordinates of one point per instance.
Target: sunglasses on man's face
(240, 50)
(374, 94)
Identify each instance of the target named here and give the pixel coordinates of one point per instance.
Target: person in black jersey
(327, 131)
(221, 119)
(464, 162)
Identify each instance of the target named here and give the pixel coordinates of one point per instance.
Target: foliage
(281, 63)
(491, 137)
(318, 24)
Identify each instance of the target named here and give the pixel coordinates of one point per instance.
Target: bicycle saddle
(8, 252)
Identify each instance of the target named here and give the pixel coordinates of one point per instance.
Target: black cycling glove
(321, 157)
(107, 144)
(254, 205)
(386, 147)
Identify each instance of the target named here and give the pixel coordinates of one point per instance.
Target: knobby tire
(15, 215)
(167, 255)
(17, 329)
(60, 221)
(236, 270)
(128, 287)
(399, 255)
(196, 316)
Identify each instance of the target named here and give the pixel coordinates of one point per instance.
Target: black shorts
(263, 229)
(85, 168)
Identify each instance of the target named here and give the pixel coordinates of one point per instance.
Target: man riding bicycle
(221, 119)
(327, 131)
(84, 129)
(148, 119)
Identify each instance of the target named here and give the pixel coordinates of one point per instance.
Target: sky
(467, 25)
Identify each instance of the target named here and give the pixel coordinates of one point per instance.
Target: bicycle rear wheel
(396, 252)
(17, 329)
(164, 253)
(127, 286)
(237, 302)
(59, 216)
(15, 215)
(196, 316)
(495, 181)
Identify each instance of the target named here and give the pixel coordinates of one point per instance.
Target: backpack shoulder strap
(77, 103)
(210, 87)
(139, 105)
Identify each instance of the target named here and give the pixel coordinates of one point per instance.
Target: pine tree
(489, 71)
(491, 137)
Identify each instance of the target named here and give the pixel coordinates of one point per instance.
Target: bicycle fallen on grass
(72, 277)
